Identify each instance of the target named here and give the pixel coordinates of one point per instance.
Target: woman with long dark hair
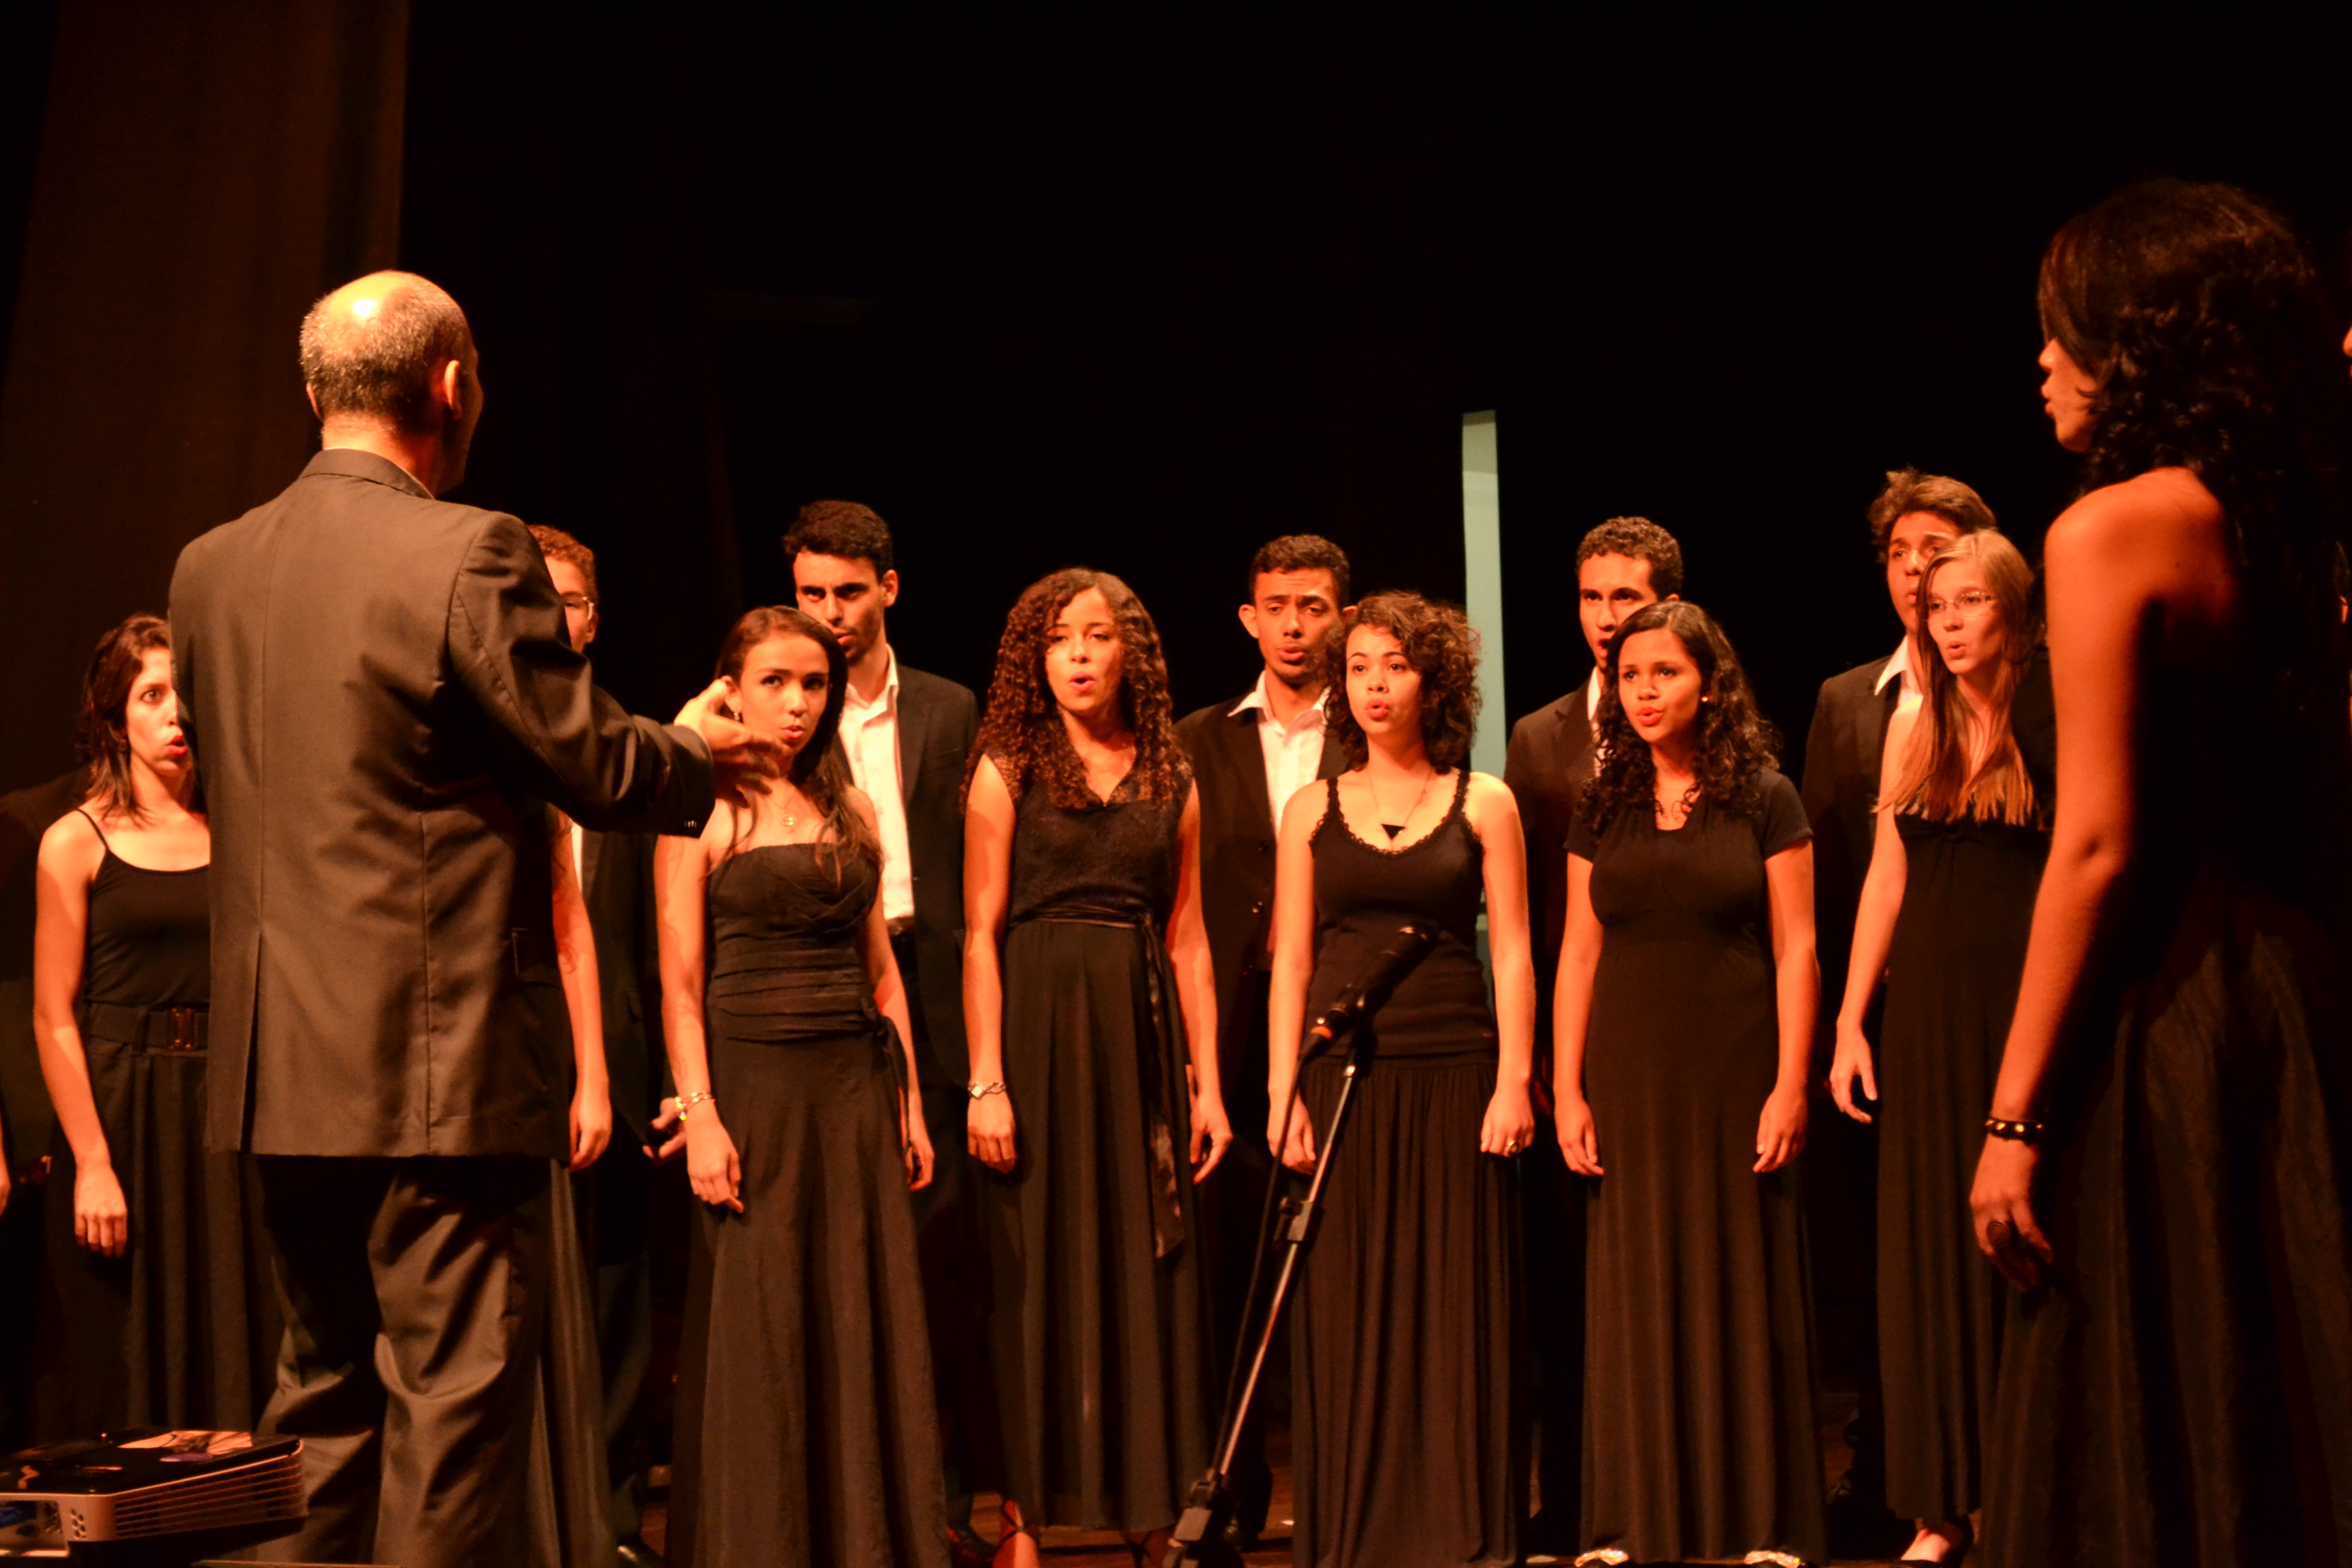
(1091, 1011)
(1682, 1029)
(2165, 1165)
(1407, 1429)
(161, 1310)
(1963, 827)
(806, 1430)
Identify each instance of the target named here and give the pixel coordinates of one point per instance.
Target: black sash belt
(152, 1028)
(1164, 1072)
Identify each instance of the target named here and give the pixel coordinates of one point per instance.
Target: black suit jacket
(1237, 835)
(938, 721)
(380, 690)
(1841, 794)
(616, 876)
(1548, 765)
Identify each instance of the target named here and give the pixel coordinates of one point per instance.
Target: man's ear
(890, 587)
(452, 389)
(312, 394)
(1249, 620)
(1670, 598)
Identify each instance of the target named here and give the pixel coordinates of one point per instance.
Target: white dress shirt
(869, 734)
(1899, 669)
(1294, 751)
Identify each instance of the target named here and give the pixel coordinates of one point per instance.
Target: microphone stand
(1206, 1535)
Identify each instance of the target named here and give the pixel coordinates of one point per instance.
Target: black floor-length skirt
(2182, 1392)
(1099, 1313)
(182, 1329)
(806, 1429)
(1409, 1433)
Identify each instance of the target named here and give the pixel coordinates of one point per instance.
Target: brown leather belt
(150, 1028)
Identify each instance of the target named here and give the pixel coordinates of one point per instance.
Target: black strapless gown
(1407, 1417)
(1098, 1314)
(806, 1430)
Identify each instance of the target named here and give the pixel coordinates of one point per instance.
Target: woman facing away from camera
(806, 1431)
(1683, 1025)
(2164, 1174)
(1407, 1428)
(161, 1310)
(1961, 836)
(1091, 1011)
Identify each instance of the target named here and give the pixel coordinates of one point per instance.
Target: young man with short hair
(1624, 564)
(1249, 755)
(905, 734)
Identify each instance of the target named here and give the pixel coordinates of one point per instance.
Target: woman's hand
(1510, 1124)
(101, 1219)
(1780, 1130)
(1852, 1061)
(2002, 1200)
(591, 1124)
(1580, 1141)
(712, 1167)
(922, 1162)
(1296, 1148)
(1212, 1134)
(988, 1131)
(669, 1134)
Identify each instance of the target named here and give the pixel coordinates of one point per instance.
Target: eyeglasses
(578, 602)
(1969, 605)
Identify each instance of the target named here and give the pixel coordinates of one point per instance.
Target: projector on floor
(149, 1484)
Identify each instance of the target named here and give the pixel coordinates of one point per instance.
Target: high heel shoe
(1009, 1531)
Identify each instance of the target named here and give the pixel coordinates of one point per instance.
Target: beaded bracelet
(983, 1091)
(2016, 1131)
(686, 1102)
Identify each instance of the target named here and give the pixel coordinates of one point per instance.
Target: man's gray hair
(381, 365)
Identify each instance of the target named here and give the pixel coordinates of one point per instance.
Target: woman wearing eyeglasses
(1963, 829)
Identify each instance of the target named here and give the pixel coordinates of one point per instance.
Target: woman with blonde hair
(1962, 832)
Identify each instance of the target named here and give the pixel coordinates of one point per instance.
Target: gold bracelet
(686, 1102)
(2016, 1131)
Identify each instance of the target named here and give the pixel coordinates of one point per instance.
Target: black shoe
(635, 1553)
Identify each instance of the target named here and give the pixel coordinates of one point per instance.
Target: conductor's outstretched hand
(737, 753)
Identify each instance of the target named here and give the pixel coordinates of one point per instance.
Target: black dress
(1098, 1305)
(806, 1431)
(1698, 1430)
(2182, 1392)
(182, 1330)
(1951, 985)
(1407, 1426)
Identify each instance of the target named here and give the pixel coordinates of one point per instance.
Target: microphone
(1375, 984)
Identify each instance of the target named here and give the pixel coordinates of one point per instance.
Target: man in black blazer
(906, 735)
(1622, 565)
(1914, 516)
(385, 700)
(1249, 755)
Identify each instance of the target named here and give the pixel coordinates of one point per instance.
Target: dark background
(1142, 296)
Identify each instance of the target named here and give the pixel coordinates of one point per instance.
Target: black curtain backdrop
(203, 171)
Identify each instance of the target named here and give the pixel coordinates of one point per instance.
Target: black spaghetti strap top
(148, 942)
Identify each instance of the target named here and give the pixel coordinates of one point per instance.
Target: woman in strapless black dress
(806, 1429)
(1962, 834)
(1408, 1430)
(159, 1309)
(2170, 1139)
(1682, 1026)
(1093, 1034)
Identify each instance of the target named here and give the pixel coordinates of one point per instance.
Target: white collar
(1256, 702)
(1898, 668)
(887, 701)
(1592, 696)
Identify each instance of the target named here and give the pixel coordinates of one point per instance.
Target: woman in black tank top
(1408, 1436)
(158, 1309)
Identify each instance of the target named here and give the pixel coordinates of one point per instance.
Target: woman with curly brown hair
(1090, 1007)
(159, 1303)
(2167, 1159)
(1407, 1432)
(1682, 1027)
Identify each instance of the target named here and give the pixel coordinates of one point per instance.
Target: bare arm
(1294, 966)
(1797, 987)
(1571, 1017)
(575, 958)
(1196, 988)
(1494, 812)
(1873, 927)
(70, 857)
(987, 895)
(680, 865)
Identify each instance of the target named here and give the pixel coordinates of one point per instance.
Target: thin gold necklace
(1410, 810)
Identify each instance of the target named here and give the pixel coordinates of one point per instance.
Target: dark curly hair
(2199, 312)
(100, 735)
(1022, 732)
(1736, 742)
(818, 768)
(1442, 646)
(842, 528)
(1638, 539)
